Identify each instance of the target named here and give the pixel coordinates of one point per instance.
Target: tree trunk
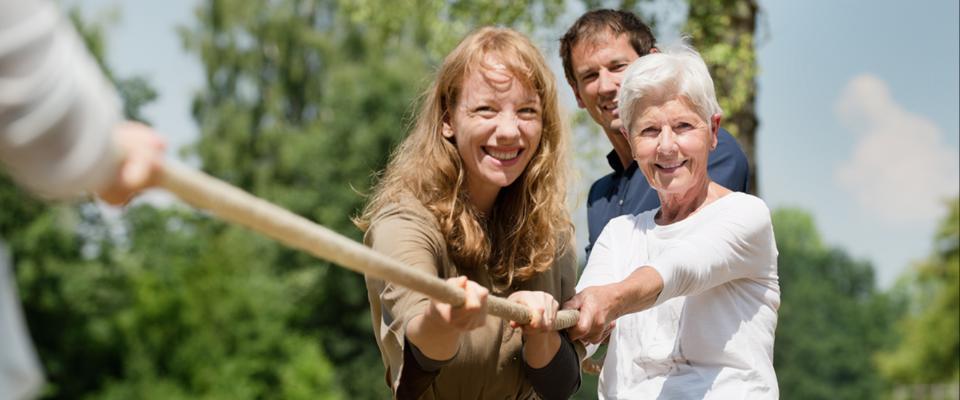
(723, 31)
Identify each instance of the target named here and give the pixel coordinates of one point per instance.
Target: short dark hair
(597, 22)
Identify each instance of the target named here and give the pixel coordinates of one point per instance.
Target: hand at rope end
(141, 162)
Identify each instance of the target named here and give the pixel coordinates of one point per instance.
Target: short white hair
(676, 72)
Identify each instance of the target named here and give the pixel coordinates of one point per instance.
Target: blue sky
(858, 105)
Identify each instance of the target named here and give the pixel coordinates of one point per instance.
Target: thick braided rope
(234, 205)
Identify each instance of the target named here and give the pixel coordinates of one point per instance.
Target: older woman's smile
(671, 166)
(671, 143)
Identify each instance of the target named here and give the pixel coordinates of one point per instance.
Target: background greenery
(303, 101)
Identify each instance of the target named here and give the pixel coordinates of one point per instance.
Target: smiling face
(672, 144)
(496, 127)
(597, 66)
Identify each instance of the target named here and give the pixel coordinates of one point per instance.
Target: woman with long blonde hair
(475, 194)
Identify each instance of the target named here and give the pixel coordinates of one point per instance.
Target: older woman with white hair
(688, 293)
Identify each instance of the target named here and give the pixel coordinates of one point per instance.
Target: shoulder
(624, 222)
(746, 202)
(725, 137)
(728, 164)
(405, 208)
(727, 146)
(599, 187)
(619, 227)
(746, 210)
(406, 216)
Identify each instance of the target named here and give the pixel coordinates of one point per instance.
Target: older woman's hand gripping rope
(234, 205)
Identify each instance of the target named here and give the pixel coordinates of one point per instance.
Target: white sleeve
(599, 270)
(601, 267)
(737, 244)
(56, 107)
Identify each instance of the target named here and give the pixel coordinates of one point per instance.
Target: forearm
(638, 291)
(538, 350)
(601, 305)
(737, 243)
(432, 337)
(559, 376)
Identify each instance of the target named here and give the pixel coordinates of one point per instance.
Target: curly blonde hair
(529, 226)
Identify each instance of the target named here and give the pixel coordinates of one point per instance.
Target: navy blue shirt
(624, 192)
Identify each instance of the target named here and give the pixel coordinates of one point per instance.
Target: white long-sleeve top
(56, 116)
(56, 107)
(710, 333)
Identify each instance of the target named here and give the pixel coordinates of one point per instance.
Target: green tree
(204, 317)
(724, 31)
(57, 249)
(929, 349)
(176, 308)
(181, 312)
(831, 319)
(135, 91)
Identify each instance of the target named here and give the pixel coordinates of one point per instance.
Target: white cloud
(900, 168)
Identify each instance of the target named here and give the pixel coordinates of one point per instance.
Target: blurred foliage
(171, 307)
(135, 91)
(929, 348)
(182, 312)
(724, 32)
(832, 318)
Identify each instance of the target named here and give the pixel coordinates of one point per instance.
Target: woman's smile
(501, 154)
(669, 167)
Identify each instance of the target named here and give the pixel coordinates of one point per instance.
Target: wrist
(622, 293)
(638, 292)
(432, 336)
(536, 337)
(539, 349)
(433, 321)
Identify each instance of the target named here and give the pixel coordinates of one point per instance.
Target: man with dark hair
(595, 52)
